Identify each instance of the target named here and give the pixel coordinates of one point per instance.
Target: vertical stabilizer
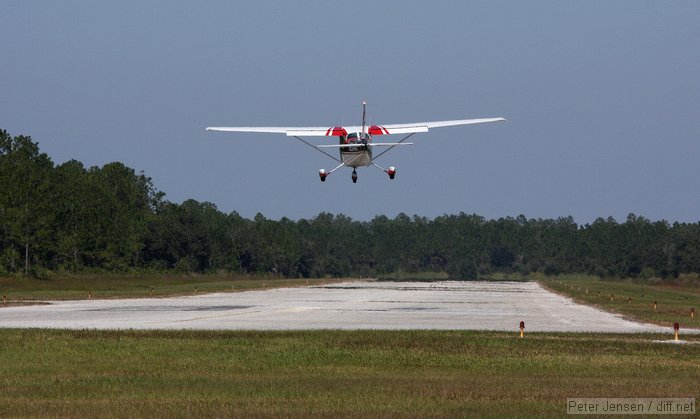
(364, 124)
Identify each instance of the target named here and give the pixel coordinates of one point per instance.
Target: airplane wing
(425, 126)
(373, 130)
(289, 131)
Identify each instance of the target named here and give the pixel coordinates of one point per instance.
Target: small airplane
(355, 143)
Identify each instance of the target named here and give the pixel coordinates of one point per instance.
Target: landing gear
(323, 173)
(354, 176)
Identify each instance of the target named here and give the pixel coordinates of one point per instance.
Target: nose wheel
(354, 176)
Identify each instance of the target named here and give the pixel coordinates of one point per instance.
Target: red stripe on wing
(377, 130)
(336, 132)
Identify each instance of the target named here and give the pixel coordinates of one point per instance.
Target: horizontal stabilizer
(387, 144)
(361, 145)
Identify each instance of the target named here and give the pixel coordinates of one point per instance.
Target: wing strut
(397, 143)
(379, 167)
(318, 149)
(336, 168)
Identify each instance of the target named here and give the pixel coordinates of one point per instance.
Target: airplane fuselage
(356, 156)
(355, 159)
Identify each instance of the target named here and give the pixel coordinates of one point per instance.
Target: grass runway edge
(331, 372)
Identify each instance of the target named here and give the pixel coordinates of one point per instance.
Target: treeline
(68, 218)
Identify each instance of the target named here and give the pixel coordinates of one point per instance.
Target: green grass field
(19, 289)
(331, 373)
(673, 303)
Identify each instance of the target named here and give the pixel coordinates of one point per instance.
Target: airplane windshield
(356, 136)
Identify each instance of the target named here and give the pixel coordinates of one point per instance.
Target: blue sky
(602, 100)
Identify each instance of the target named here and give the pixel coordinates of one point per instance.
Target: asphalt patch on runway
(402, 309)
(422, 289)
(171, 308)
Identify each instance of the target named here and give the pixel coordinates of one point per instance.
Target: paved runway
(350, 305)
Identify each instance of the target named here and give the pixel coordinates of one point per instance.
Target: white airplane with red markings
(355, 143)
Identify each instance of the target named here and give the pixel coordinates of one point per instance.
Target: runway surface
(352, 305)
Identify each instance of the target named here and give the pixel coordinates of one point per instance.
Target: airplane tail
(364, 123)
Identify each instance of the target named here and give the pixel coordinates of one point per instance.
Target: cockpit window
(356, 136)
